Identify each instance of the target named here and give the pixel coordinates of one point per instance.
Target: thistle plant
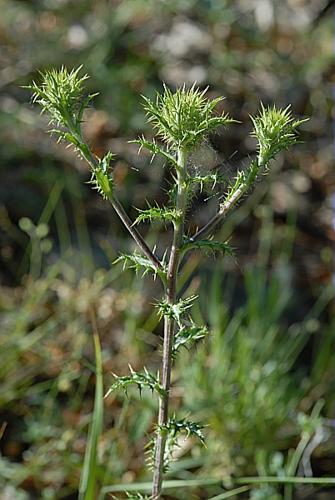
(181, 121)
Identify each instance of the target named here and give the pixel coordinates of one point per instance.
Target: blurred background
(264, 380)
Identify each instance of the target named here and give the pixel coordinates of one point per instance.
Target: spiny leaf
(134, 496)
(244, 179)
(64, 135)
(211, 179)
(141, 264)
(173, 429)
(154, 148)
(102, 177)
(187, 335)
(208, 246)
(141, 380)
(240, 180)
(158, 213)
(275, 130)
(149, 452)
(177, 310)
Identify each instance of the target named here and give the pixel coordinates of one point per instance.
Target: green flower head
(60, 94)
(183, 118)
(275, 130)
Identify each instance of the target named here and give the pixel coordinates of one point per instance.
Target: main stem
(169, 327)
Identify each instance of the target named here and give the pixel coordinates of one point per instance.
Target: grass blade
(169, 484)
(87, 488)
(193, 483)
(286, 480)
(231, 493)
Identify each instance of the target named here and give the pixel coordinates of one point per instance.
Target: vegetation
(182, 120)
(263, 319)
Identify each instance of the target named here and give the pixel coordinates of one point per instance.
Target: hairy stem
(211, 225)
(169, 327)
(225, 207)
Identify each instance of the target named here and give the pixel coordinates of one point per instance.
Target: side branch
(134, 233)
(116, 204)
(227, 205)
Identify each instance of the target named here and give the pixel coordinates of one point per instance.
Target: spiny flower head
(60, 94)
(275, 130)
(184, 117)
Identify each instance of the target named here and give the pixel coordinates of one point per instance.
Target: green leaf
(88, 480)
(141, 264)
(208, 245)
(102, 177)
(243, 181)
(154, 148)
(188, 335)
(177, 310)
(141, 380)
(239, 181)
(203, 181)
(173, 429)
(183, 426)
(158, 213)
(102, 182)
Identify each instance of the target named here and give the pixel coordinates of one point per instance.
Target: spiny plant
(181, 120)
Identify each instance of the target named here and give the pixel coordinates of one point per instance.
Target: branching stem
(225, 207)
(169, 327)
(134, 233)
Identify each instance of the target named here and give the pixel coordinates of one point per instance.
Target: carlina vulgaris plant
(181, 121)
